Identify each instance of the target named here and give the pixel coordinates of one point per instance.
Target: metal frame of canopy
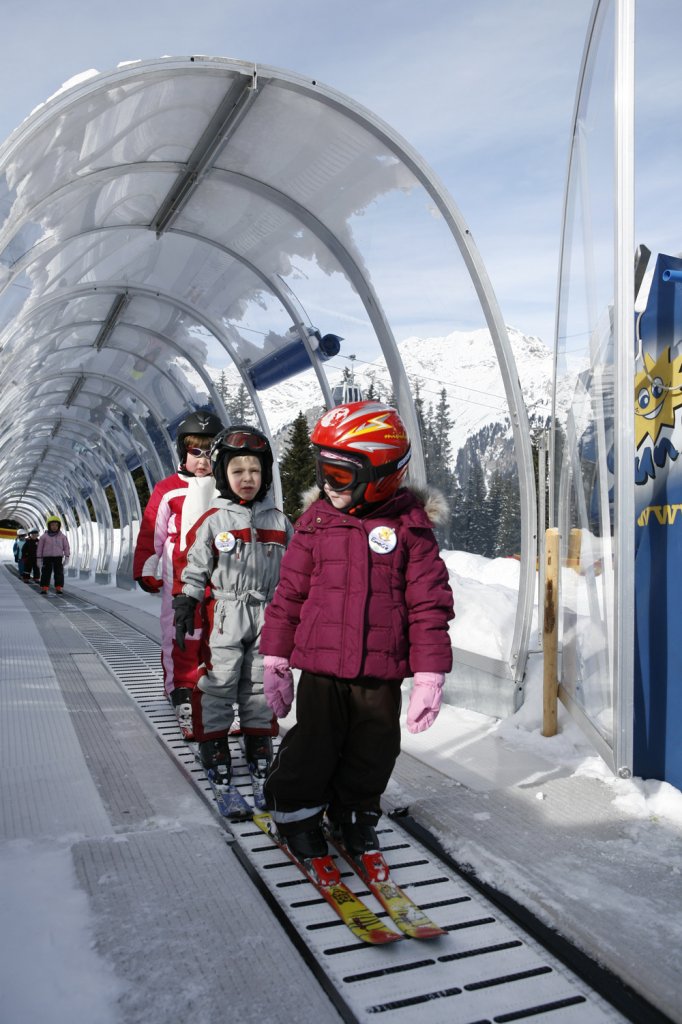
(63, 238)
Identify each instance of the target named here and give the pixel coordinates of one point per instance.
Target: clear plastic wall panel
(106, 199)
(41, 320)
(255, 226)
(155, 116)
(658, 135)
(162, 319)
(149, 365)
(585, 396)
(332, 166)
(13, 297)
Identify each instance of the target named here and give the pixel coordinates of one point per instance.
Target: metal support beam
(222, 125)
(117, 307)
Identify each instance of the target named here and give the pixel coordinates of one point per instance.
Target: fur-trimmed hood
(433, 500)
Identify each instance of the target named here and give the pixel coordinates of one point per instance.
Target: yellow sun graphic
(658, 393)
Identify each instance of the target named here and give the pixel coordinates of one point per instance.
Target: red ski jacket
(159, 536)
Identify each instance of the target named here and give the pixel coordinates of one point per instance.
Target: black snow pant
(53, 563)
(340, 754)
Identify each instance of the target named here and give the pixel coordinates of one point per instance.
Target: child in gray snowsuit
(236, 547)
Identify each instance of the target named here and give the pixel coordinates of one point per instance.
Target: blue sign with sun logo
(658, 528)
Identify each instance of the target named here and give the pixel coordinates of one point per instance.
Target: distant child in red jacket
(363, 602)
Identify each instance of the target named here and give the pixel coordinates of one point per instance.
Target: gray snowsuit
(238, 550)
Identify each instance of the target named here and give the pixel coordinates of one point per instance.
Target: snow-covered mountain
(463, 363)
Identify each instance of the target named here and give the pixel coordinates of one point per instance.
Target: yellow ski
(323, 873)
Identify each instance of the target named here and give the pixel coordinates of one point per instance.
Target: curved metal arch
(88, 348)
(60, 468)
(211, 326)
(92, 426)
(498, 333)
(31, 214)
(38, 508)
(495, 321)
(126, 499)
(198, 368)
(354, 275)
(282, 292)
(285, 295)
(91, 371)
(153, 455)
(367, 296)
(126, 388)
(81, 432)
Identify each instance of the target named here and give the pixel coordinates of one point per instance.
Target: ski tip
(382, 937)
(428, 931)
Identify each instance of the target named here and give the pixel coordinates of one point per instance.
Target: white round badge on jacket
(225, 541)
(382, 539)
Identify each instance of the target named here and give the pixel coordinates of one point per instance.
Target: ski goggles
(338, 474)
(243, 439)
(199, 453)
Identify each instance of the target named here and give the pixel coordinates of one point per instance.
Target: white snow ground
(542, 819)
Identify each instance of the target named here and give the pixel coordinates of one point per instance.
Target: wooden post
(550, 633)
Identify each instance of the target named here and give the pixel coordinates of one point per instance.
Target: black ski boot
(181, 699)
(258, 751)
(308, 844)
(215, 756)
(358, 833)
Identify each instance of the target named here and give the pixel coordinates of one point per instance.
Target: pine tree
(502, 512)
(472, 521)
(508, 537)
(439, 462)
(238, 406)
(297, 467)
(222, 387)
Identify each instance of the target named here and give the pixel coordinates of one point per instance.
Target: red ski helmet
(363, 447)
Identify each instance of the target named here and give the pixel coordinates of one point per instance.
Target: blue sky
(484, 91)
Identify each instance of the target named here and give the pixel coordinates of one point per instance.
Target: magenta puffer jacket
(363, 597)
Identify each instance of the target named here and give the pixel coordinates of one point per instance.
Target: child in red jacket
(363, 601)
(158, 555)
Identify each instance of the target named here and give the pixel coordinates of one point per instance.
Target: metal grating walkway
(485, 971)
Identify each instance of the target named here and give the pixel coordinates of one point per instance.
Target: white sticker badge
(382, 539)
(225, 541)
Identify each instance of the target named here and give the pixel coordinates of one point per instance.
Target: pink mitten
(427, 693)
(278, 684)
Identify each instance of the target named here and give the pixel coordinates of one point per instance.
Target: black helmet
(240, 439)
(200, 422)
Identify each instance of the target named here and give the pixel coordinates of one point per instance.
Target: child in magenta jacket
(363, 602)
